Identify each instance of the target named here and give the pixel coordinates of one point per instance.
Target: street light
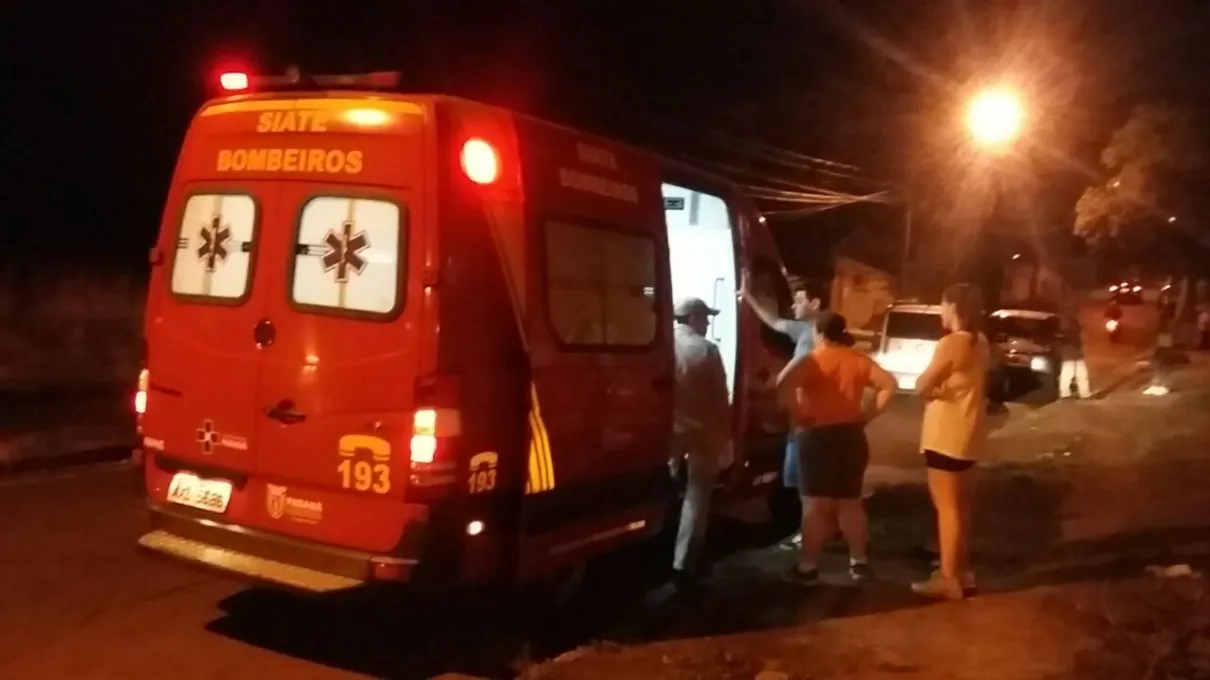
(995, 117)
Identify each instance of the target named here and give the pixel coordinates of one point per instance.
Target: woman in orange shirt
(824, 393)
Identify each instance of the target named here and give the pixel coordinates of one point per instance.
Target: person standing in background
(1074, 369)
(800, 329)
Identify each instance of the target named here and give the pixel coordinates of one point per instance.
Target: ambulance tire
(557, 590)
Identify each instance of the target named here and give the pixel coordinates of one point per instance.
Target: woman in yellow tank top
(954, 433)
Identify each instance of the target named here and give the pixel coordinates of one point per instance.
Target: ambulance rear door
(202, 356)
(338, 332)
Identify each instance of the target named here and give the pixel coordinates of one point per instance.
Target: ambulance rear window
(348, 256)
(214, 248)
(600, 286)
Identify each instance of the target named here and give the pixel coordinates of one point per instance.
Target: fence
(69, 328)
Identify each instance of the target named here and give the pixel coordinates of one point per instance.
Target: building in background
(864, 278)
(861, 292)
(1031, 285)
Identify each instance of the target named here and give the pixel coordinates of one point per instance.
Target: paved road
(79, 601)
(893, 436)
(1139, 327)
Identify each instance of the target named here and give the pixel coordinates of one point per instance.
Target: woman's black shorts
(940, 461)
(832, 460)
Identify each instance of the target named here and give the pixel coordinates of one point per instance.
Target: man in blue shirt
(800, 329)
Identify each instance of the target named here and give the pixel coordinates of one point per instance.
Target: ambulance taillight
(433, 452)
(234, 81)
(140, 395)
(480, 162)
(424, 436)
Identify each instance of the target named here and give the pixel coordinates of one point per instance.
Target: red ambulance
(418, 338)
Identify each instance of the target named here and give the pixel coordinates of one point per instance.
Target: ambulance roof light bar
(294, 79)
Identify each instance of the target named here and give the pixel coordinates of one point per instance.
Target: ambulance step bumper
(258, 568)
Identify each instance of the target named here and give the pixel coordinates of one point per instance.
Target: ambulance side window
(600, 285)
(214, 248)
(347, 256)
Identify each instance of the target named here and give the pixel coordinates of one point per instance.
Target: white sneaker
(792, 543)
(967, 580)
(937, 586)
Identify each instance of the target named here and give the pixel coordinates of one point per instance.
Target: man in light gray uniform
(701, 426)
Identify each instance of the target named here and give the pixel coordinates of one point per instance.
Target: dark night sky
(105, 92)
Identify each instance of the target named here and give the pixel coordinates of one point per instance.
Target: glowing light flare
(233, 81)
(474, 528)
(311, 363)
(367, 117)
(904, 362)
(995, 117)
(423, 447)
(140, 395)
(480, 161)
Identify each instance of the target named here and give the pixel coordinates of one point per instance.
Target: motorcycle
(1114, 328)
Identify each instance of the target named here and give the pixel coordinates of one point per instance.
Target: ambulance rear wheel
(559, 589)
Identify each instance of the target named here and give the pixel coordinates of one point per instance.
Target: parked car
(1027, 342)
(910, 333)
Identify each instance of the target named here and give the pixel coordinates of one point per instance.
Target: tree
(1150, 212)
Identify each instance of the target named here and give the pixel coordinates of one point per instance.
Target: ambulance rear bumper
(267, 558)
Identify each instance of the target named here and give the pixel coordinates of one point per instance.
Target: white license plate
(211, 495)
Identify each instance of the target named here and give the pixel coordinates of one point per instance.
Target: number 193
(364, 476)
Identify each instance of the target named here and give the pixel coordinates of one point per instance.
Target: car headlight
(900, 362)
(1039, 364)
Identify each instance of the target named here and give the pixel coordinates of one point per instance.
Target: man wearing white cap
(701, 426)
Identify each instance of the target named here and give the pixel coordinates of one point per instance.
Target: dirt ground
(1144, 627)
(1082, 499)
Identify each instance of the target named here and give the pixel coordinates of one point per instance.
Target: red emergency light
(234, 81)
(294, 79)
(480, 161)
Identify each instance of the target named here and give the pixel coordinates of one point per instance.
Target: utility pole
(905, 263)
